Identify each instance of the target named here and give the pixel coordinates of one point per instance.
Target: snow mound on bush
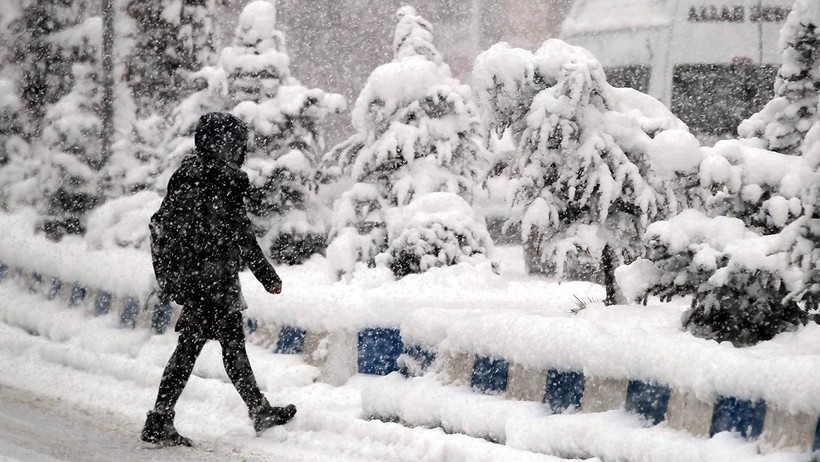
(123, 222)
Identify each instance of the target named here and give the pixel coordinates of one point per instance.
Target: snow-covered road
(77, 388)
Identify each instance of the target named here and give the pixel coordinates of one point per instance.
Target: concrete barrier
(382, 351)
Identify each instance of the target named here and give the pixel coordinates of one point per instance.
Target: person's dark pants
(234, 358)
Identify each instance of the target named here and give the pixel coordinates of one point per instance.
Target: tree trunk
(608, 268)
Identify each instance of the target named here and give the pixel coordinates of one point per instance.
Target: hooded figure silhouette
(220, 135)
(204, 211)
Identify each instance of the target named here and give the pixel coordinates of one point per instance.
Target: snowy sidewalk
(77, 388)
(39, 429)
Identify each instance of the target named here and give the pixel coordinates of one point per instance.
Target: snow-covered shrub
(435, 230)
(286, 123)
(739, 281)
(12, 11)
(122, 222)
(358, 227)
(417, 132)
(760, 187)
(750, 262)
(764, 281)
(595, 165)
(257, 62)
(782, 124)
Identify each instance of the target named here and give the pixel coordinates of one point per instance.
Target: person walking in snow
(200, 237)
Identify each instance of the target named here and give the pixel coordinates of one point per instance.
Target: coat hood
(220, 135)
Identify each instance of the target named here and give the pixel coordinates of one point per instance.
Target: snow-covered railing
(133, 309)
(515, 365)
(578, 363)
(518, 357)
(573, 364)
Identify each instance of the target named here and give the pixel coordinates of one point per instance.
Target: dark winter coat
(216, 225)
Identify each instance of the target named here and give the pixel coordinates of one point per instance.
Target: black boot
(159, 429)
(268, 416)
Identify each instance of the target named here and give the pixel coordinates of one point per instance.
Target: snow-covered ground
(77, 388)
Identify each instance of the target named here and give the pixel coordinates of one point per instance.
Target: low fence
(381, 351)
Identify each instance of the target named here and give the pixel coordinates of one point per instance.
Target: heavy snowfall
(578, 230)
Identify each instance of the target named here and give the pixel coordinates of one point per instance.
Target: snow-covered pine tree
(209, 95)
(804, 248)
(782, 124)
(45, 64)
(70, 178)
(196, 47)
(286, 123)
(256, 63)
(18, 185)
(172, 50)
(151, 69)
(10, 13)
(417, 133)
(764, 282)
(593, 171)
(10, 124)
(130, 172)
(504, 81)
(16, 163)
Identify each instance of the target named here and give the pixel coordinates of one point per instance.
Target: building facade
(693, 55)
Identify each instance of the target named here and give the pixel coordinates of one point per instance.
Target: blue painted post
(291, 341)
(564, 390)
(250, 326)
(816, 446)
(54, 290)
(4, 271)
(379, 350)
(648, 400)
(77, 295)
(36, 282)
(162, 316)
(102, 303)
(130, 310)
(490, 375)
(738, 415)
